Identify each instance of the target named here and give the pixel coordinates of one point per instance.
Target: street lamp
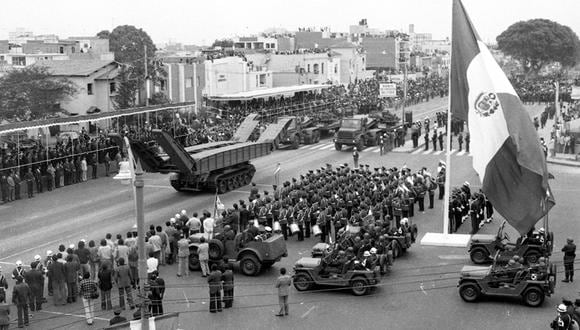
(131, 171)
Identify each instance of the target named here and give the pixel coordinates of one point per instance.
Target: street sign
(387, 90)
(575, 92)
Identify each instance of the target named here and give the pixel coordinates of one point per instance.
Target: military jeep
(309, 272)
(483, 247)
(530, 283)
(253, 256)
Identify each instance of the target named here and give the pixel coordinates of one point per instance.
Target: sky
(201, 22)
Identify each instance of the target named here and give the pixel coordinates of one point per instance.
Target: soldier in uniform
(441, 183)
(434, 140)
(426, 137)
(440, 138)
(460, 141)
(569, 255)
(355, 156)
(467, 140)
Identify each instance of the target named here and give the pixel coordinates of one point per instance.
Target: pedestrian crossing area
(376, 149)
(456, 152)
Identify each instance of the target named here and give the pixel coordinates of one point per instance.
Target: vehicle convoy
(309, 272)
(359, 131)
(531, 283)
(292, 131)
(254, 255)
(483, 247)
(215, 166)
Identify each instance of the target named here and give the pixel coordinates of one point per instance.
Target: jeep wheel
(532, 257)
(250, 265)
(338, 146)
(359, 286)
(478, 256)
(194, 261)
(216, 249)
(469, 292)
(302, 282)
(533, 297)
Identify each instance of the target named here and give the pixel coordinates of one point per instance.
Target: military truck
(532, 284)
(291, 131)
(309, 272)
(483, 247)
(253, 256)
(358, 131)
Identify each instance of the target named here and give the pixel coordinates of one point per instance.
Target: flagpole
(448, 145)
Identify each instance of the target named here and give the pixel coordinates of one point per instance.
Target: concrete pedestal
(450, 240)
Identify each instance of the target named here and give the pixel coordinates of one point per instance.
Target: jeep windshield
(351, 123)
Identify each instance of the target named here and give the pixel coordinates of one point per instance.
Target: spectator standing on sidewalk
(89, 290)
(228, 280)
(203, 254)
(21, 298)
(182, 256)
(124, 280)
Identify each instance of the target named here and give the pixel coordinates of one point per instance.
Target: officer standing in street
(569, 255)
(426, 140)
(460, 141)
(441, 140)
(355, 157)
(434, 140)
(467, 140)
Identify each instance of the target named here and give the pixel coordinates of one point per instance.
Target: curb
(563, 162)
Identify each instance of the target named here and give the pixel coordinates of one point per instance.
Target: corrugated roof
(79, 68)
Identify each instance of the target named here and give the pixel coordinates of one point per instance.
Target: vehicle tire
(533, 296)
(469, 292)
(397, 250)
(221, 186)
(267, 264)
(359, 286)
(193, 262)
(532, 257)
(216, 249)
(338, 146)
(316, 137)
(250, 265)
(295, 142)
(303, 282)
(478, 255)
(176, 185)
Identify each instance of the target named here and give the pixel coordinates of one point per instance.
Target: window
(315, 68)
(19, 60)
(188, 82)
(308, 68)
(112, 87)
(61, 50)
(72, 50)
(322, 68)
(162, 83)
(262, 79)
(336, 68)
(90, 89)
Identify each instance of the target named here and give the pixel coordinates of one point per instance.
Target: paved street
(420, 292)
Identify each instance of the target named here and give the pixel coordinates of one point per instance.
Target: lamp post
(131, 171)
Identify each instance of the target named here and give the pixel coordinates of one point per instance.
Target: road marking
(21, 252)
(373, 149)
(184, 296)
(461, 153)
(156, 186)
(327, 147)
(453, 151)
(438, 152)
(73, 315)
(419, 150)
(421, 286)
(426, 152)
(308, 312)
(453, 257)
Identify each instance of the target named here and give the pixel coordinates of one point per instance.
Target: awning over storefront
(268, 92)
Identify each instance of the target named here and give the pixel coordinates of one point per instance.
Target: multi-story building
(234, 74)
(255, 43)
(95, 81)
(300, 68)
(386, 52)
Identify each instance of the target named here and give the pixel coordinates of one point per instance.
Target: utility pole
(146, 82)
(404, 93)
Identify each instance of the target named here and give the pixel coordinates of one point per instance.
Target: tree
(127, 88)
(128, 44)
(223, 43)
(33, 93)
(104, 34)
(159, 98)
(538, 42)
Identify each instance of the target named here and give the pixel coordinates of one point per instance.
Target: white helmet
(183, 212)
(373, 250)
(18, 263)
(37, 258)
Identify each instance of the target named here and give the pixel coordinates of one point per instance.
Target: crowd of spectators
(540, 90)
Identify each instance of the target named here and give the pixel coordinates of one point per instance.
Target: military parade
(291, 179)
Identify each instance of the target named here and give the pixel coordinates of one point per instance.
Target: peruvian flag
(505, 146)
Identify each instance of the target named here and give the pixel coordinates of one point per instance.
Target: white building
(255, 43)
(232, 74)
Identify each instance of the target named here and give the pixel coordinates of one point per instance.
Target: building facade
(234, 74)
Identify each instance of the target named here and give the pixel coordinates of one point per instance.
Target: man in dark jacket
(35, 280)
(21, 298)
(57, 273)
(157, 285)
(569, 255)
(228, 279)
(215, 286)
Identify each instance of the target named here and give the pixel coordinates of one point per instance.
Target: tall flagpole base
(449, 240)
